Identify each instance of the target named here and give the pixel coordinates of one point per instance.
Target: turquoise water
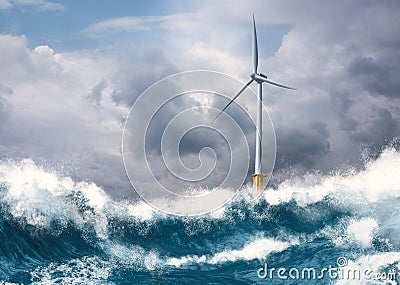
(54, 230)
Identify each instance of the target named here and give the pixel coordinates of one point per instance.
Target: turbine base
(258, 182)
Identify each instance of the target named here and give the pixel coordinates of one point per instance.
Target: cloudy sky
(70, 70)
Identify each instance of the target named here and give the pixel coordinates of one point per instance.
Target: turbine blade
(255, 47)
(277, 84)
(233, 99)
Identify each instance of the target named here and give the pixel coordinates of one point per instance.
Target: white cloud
(49, 115)
(40, 4)
(204, 55)
(127, 24)
(5, 4)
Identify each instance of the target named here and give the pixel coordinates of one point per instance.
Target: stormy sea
(336, 228)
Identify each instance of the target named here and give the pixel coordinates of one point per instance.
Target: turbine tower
(259, 78)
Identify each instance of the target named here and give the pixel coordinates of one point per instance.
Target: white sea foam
(379, 180)
(137, 257)
(355, 231)
(35, 194)
(33, 189)
(133, 256)
(259, 248)
(362, 230)
(39, 196)
(141, 211)
(86, 270)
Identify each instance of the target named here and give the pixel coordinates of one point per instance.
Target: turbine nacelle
(259, 78)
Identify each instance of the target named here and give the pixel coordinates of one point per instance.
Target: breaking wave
(56, 230)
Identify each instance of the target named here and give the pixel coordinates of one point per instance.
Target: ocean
(337, 228)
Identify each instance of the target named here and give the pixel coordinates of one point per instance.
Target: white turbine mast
(259, 78)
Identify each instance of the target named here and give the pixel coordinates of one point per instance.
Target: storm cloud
(68, 108)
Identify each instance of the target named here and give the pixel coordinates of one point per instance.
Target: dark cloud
(341, 101)
(5, 90)
(95, 95)
(302, 147)
(3, 111)
(5, 107)
(195, 139)
(341, 104)
(377, 130)
(133, 76)
(378, 77)
(366, 125)
(104, 169)
(344, 58)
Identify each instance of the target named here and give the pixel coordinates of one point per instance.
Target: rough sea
(337, 228)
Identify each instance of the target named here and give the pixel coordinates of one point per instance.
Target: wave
(378, 181)
(52, 226)
(257, 249)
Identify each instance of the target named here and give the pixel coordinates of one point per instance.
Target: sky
(70, 71)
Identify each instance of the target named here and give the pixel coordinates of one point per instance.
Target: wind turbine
(259, 78)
